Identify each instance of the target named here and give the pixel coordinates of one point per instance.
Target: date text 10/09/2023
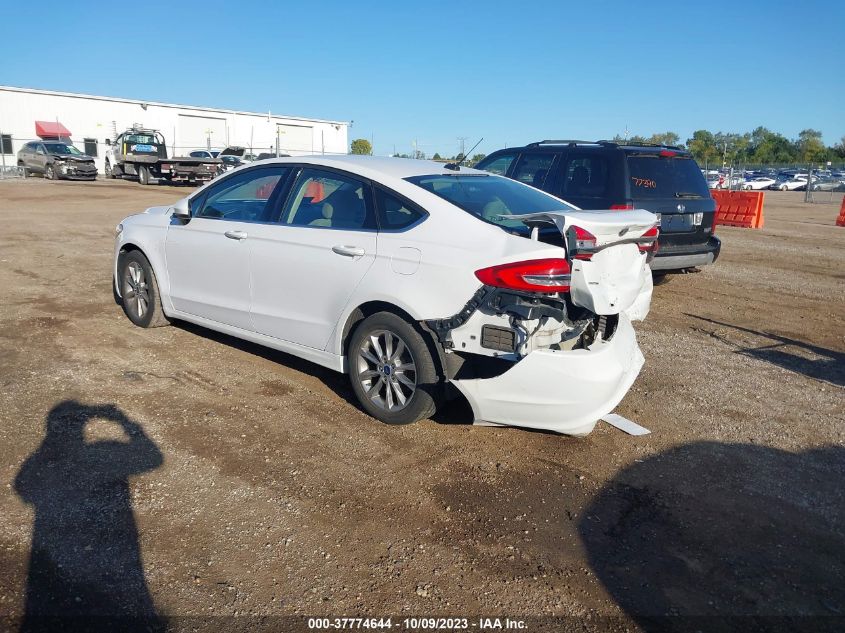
(418, 624)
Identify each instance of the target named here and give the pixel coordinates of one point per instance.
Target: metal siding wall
(192, 132)
(92, 117)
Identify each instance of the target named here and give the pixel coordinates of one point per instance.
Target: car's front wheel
(784, 188)
(50, 172)
(141, 300)
(392, 370)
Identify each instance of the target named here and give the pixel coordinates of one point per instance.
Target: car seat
(342, 209)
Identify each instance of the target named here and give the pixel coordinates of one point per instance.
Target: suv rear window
(654, 176)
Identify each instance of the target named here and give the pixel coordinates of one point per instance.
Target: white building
(91, 120)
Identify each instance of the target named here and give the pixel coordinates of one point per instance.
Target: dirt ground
(176, 472)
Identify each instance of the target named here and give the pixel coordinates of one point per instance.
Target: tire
(107, 170)
(381, 380)
(140, 297)
(784, 188)
(50, 172)
(659, 279)
(24, 170)
(144, 175)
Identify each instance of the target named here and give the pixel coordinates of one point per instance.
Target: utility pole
(462, 140)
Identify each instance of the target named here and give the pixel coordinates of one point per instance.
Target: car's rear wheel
(50, 172)
(24, 170)
(658, 279)
(141, 300)
(392, 370)
(784, 188)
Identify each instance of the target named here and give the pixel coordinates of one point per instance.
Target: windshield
(654, 176)
(490, 198)
(61, 148)
(143, 139)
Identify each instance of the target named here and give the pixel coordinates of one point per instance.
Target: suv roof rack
(566, 142)
(603, 142)
(641, 144)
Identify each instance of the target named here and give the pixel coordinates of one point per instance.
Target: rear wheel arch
(357, 316)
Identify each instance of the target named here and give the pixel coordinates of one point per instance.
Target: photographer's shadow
(85, 560)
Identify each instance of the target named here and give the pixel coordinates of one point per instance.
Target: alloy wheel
(386, 370)
(136, 293)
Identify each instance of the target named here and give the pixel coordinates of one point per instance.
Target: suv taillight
(535, 275)
(621, 207)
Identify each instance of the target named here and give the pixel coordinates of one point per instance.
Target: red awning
(51, 129)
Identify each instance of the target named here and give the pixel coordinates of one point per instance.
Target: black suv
(609, 175)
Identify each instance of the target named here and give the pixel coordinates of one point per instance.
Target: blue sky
(510, 72)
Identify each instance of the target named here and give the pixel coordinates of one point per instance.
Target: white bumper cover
(562, 391)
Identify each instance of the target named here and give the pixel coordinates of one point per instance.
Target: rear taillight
(648, 242)
(665, 153)
(535, 275)
(621, 207)
(582, 243)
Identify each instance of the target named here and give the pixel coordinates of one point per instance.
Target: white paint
(624, 424)
(294, 291)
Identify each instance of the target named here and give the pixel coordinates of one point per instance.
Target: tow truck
(142, 153)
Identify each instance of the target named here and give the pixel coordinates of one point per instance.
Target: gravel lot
(178, 472)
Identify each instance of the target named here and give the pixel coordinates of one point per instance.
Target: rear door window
(325, 199)
(498, 164)
(533, 169)
(653, 176)
(586, 176)
(395, 213)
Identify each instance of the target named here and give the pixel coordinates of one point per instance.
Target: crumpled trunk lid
(616, 274)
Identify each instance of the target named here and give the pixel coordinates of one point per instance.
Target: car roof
(376, 166)
(556, 145)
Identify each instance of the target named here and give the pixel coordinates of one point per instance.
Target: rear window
(653, 176)
(490, 198)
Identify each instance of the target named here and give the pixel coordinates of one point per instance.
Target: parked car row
(785, 180)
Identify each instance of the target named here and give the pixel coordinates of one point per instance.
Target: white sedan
(757, 183)
(791, 183)
(407, 275)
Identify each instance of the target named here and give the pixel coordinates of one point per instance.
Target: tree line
(762, 146)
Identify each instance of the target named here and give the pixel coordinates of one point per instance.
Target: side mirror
(182, 210)
(108, 141)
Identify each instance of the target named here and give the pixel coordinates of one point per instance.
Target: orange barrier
(739, 208)
(840, 221)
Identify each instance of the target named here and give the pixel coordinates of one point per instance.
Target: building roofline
(78, 95)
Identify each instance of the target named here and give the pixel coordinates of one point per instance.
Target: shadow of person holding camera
(85, 566)
(712, 536)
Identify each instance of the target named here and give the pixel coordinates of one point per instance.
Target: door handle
(349, 251)
(235, 235)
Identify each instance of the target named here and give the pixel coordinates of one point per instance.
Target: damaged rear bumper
(562, 391)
